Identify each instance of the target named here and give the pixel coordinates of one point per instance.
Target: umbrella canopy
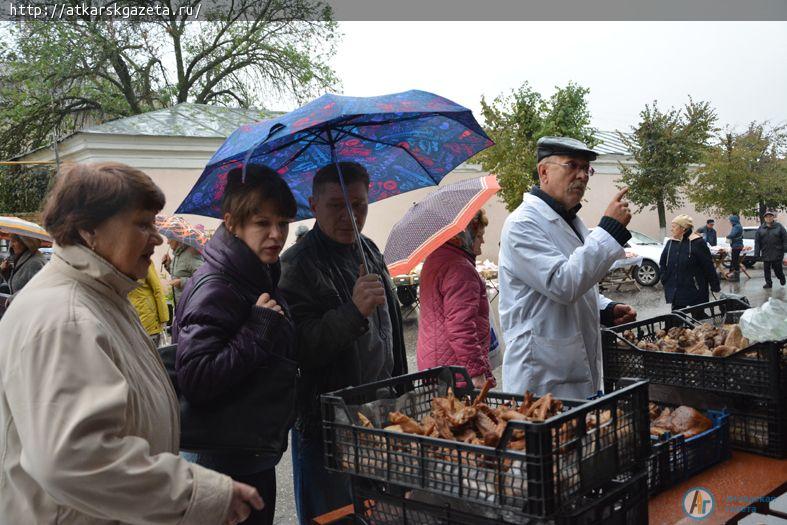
(405, 141)
(434, 220)
(179, 229)
(17, 226)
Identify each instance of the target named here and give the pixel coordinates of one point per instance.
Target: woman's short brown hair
(86, 195)
(243, 199)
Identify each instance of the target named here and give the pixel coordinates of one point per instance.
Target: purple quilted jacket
(453, 326)
(221, 335)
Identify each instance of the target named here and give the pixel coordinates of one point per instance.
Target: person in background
(27, 261)
(348, 325)
(770, 244)
(151, 305)
(686, 266)
(181, 266)
(300, 232)
(90, 420)
(550, 266)
(235, 359)
(453, 326)
(735, 240)
(708, 232)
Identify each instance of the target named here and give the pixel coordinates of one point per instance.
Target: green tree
(516, 121)
(57, 77)
(744, 173)
(23, 188)
(665, 146)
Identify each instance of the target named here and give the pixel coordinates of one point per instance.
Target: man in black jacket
(770, 243)
(348, 325)
(708, 232)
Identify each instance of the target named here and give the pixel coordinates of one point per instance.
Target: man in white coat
(549, 267)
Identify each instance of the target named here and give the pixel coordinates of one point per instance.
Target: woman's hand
(244, 498)
(266, 301)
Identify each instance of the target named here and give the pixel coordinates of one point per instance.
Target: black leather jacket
(327, 323)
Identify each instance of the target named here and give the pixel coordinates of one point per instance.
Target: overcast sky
(739, 67)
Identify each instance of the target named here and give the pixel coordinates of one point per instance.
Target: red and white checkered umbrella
(434, 220)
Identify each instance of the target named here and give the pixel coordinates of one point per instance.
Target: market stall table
(720, 254)
(407, 292)
(621, 273)
(732, 483)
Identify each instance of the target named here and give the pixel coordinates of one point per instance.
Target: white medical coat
(549, 301)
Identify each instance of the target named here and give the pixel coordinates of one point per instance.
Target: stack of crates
(751, 384)
(569, 472)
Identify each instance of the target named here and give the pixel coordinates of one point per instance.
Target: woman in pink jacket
(453, 326)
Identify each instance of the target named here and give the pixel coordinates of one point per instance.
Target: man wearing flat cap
(549, 267)
(770, 244)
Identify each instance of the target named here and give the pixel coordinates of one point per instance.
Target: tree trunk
(662, 219)
(761, 209)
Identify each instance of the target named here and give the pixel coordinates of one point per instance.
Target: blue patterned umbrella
(405, 141)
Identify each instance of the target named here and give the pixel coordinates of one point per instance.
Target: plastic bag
(766, 323)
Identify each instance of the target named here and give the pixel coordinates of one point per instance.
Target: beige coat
(88, 418)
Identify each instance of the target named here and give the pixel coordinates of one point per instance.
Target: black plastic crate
(622, 501)
(563, 459)
(759, 370)
(717, 312)
(666, 464)
(758, 425)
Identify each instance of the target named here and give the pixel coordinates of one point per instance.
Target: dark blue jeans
(317, 490)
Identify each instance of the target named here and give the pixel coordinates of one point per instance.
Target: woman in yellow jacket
(149, 302)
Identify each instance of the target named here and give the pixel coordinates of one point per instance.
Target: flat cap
(769, 212)
(567, 146)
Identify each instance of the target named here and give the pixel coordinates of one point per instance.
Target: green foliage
(516, 121)
(744, 173)
(665, 145)
(22, 188)
(57, 77)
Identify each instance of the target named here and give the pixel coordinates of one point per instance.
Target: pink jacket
(453, 326)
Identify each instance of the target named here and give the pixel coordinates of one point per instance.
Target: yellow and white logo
(698, 503)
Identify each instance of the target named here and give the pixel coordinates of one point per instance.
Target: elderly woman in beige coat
(89, 419)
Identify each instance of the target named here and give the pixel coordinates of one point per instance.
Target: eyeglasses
(575, 167)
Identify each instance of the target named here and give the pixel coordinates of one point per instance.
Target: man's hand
(4, 265)
(266, 301)
(618, 209)
(244, 497)
(623, 313)
(174, 283)
(368, 292)
(166, 259)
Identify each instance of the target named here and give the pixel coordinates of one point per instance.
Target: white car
(647, 273)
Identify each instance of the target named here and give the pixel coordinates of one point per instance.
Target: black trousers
(265, 483)
(777, 269)
(735, 262)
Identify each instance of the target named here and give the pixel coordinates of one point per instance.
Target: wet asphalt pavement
(648, 302)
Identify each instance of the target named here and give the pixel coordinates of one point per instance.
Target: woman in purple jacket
(235, 357)
(453, 326)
